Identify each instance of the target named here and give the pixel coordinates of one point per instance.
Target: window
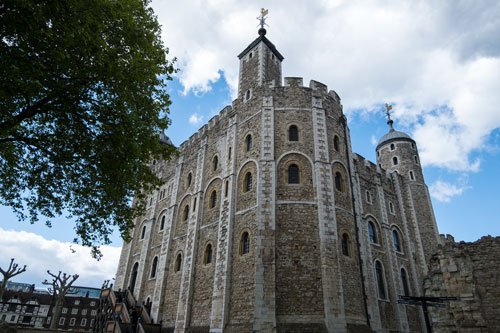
(250, 55)
(346, 243)
(248, 94)
(189, 179)
(77, 302)
(339, 186)
(412, 176)
(26, 319)
(379, 272)
(12, 318)
(248, 182)
(404, 282)
(186, 213)
(293, 133)
(372, 233)
(74, 311)
(393, 146)
(368, 197)
(226, 188)
(92, 303)
(208, 254)
(3, 317)
(249, 142)
(64, 310)
(293, 174)
(178, 263)
(93, 313)
(84, 312)
(153, 267)
(162, 223)
(391, 207)
(395, 241)
(83, 322)
(336, 143)
(48, 320)
(92, 322)
(213, 199)
(416, 159)
(143, 232)
(395, 160)
(229, 153)
(194, 204)
(215, 163)
(72, 322)
(244, 243)
(61, 321)
(29, 309)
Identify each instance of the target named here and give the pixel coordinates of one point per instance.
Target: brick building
(268, 222)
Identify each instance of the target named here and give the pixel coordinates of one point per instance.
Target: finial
(262, 21)
(388, 109)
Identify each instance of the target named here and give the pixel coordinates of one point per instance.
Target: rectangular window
(92, 323)
(93, 312)
(26, 319)
(12, 318)
(64, 310)
(61, 321)
(77, 302)
(72, 322)
(84, 312)
(83, 322)
(74, 311)
(4, 316)
(92, 303)
(29, 309)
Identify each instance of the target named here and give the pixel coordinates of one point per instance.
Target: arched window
(189, 179)
(186, 213)
(346, 244)
(153, 268)
(249, 142)
(393, 146)
(213, 199)
(372, 232)
(248, 95)
(162, 222)
(339, 186)
(244, 243)
(412, 176)
(379, 272)
(248, 182)
(395, 240)
(133, 277)
(208, 254)
(404, 282)
(391, 207)
(368, 197)
(293, 174)
(395, 160)
(143, 232)
(178, 263)
(293, 133)
(336, 143)
(215, 163)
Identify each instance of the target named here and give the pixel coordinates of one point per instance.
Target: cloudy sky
(437, 62)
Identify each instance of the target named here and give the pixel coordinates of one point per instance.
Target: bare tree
(12, 271)
(60, 286)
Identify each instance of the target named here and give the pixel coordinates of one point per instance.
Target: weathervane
(388, 109)
(262, 17)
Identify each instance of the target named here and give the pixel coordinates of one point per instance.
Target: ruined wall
(469, 271)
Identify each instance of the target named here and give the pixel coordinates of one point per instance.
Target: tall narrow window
(372, 233)
(412, 176)
(404, 282)
(245, 243)
(391, 207)
(229, 153)
(208, 254)
(395, 241)
(345, 245)
(379, 272)
(213, 199)
(368, 197)
(194, 204)
(293, 174)
(178, 263)
(248, 182)
(215, 163)
(226, 188)
(393, 146)
(416, 159)
(189, 179)
(186, 212)
(293, 133)
(336, 143)
(154, 267)
(249, 142)
(395, 160)
(143, 232)
(338, 182)
(248, 94)
(133, 277)
(162, 222)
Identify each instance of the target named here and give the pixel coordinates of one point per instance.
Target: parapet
(318, 86)
(294, 82)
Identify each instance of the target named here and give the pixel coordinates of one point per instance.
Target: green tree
(82, 104)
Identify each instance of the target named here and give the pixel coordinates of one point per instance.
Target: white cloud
(443, 191)
(40, 254)
(195, 119)
(441, 71)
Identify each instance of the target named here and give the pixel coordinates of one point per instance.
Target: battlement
(299, 82)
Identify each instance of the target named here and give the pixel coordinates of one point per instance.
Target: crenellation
(294, 82)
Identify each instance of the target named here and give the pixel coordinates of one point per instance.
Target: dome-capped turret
(393, 135)
(165, 139)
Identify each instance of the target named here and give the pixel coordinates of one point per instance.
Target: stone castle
(268, 222)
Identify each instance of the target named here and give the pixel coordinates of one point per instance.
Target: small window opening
(393, 146)
(248, 182)
(213, 199)
(153, 267)
(404, 282)
(391, 207)
(346, 245)
(248, 94)
(229, 153)
(186, 212)
(395, 160)
(215, 163)
(208, 254)
(249, 142)
(189, 179)
(336, 143)
(395, 240)
(293, 133)
(339, 186)
(416, 159)
(245, 243)
(379, 272)
(162, 223)
(226, 188)
(178, 263)
(372, 233)
(143, 232)
(368, 197)
(412, 176)
(194, 204)
(293, 174)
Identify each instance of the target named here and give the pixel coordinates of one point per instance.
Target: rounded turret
(397, 151)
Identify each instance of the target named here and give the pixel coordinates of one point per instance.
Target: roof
(262, 38)
(394, 135)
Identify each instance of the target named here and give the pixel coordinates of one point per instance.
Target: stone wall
(469, 271)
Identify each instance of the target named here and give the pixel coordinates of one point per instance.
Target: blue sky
(438, 63)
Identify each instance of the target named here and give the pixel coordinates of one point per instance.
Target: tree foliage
(82, 104)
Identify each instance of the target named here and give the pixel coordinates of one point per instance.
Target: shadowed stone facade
(268, 222)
